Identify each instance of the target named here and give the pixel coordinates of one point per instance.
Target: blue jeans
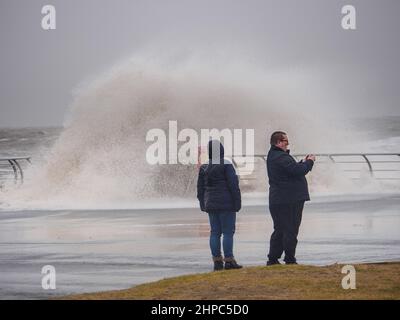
(222, 223)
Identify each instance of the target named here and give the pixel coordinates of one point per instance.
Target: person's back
(219, 195)
(219, 187)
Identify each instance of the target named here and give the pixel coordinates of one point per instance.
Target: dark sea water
(20, 142)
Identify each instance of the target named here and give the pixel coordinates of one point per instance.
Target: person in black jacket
(287, 193)
(219, 195)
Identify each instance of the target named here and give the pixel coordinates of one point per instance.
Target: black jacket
(218, 185)
(287, 181)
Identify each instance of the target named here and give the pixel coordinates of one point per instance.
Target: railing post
(369, 164)
(11, 162)
(21, 173)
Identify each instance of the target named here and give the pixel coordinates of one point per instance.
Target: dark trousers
(287, 219)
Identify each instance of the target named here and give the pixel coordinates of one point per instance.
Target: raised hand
(310, 157)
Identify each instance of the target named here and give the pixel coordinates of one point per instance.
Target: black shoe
(230, 263)
(218, 263)
(272, 262)
(291, 262)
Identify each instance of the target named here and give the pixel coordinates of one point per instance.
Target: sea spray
(99, 158)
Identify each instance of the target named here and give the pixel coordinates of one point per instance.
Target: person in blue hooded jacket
(219, 195)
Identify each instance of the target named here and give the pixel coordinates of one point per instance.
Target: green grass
(373, 281)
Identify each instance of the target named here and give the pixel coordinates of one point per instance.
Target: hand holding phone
(310, 157)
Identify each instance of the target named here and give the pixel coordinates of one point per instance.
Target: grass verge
(373, 281)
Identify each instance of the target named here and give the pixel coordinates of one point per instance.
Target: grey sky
(39, 69)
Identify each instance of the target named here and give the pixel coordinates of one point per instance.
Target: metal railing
(369, 159)
(13, 167)
(353, 162)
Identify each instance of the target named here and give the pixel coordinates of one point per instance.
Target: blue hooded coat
(217, 184)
